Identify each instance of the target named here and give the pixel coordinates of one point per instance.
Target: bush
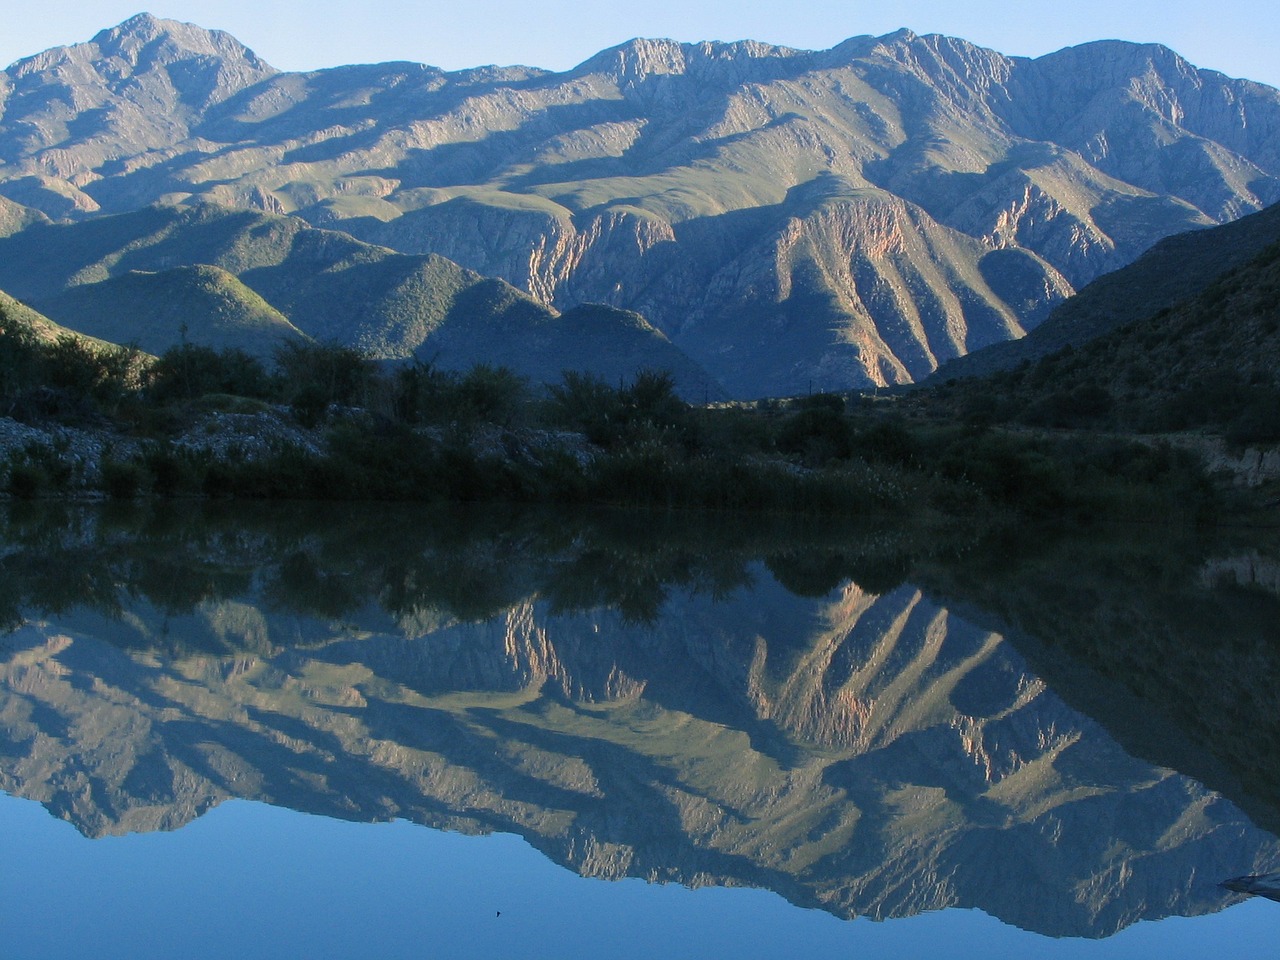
(1009, 471)
(652, 399)
(21, 359)
(816, 435)
(313, 376)
(105, 374)
(39, 470)
(188, 372)
(488, 394)
(1259, 419)
(887, 441)
(647, 411)
(122, 480)
(421, 393)
(172, 472)
(585, 403)
(27, 481)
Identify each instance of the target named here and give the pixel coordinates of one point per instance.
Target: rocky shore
(79, 452)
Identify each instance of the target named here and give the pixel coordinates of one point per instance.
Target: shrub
(122, 479)
(172, 472)
(490, 394)
(816, 435)
(1009, 471)
(27, 481)
(21, 359)
(584, 402)
(887, 441)
(105, 374)
(651, 398)
(189, 371)
(1258, 420)
(421, 393)
(313, 376)
(646, 411)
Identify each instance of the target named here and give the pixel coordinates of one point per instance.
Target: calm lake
(337, 731)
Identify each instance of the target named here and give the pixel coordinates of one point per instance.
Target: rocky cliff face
(862, 753)
(836, 209)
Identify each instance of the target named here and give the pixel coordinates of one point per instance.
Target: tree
(311, 377)
(189, 371)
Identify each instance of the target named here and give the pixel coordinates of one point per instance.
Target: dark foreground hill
(1210, 362)
(1174, 270)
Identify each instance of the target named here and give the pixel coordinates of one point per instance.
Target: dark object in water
(1263, 885)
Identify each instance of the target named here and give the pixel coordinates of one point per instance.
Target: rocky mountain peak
(146, 33)
(144, 45)
(949, 62)
(636, 58)
(900, 37)
(641, 58)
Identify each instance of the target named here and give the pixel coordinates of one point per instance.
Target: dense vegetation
(416, 432)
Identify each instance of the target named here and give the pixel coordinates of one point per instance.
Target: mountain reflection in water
(672, 699)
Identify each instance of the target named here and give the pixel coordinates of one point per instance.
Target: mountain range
(789, 219)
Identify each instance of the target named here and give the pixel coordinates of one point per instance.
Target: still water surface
(248, 880)
(755, 737)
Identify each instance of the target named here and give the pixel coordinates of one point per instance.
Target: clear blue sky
(1238, 37)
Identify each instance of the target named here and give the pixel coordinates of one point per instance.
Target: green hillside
(45, 330)
(15, 217)
(157, 311)
(260, 271)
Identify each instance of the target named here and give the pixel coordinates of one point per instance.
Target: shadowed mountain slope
(1176, 269)
(1209, 363)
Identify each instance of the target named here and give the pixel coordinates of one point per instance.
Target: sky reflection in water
(249, 880)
